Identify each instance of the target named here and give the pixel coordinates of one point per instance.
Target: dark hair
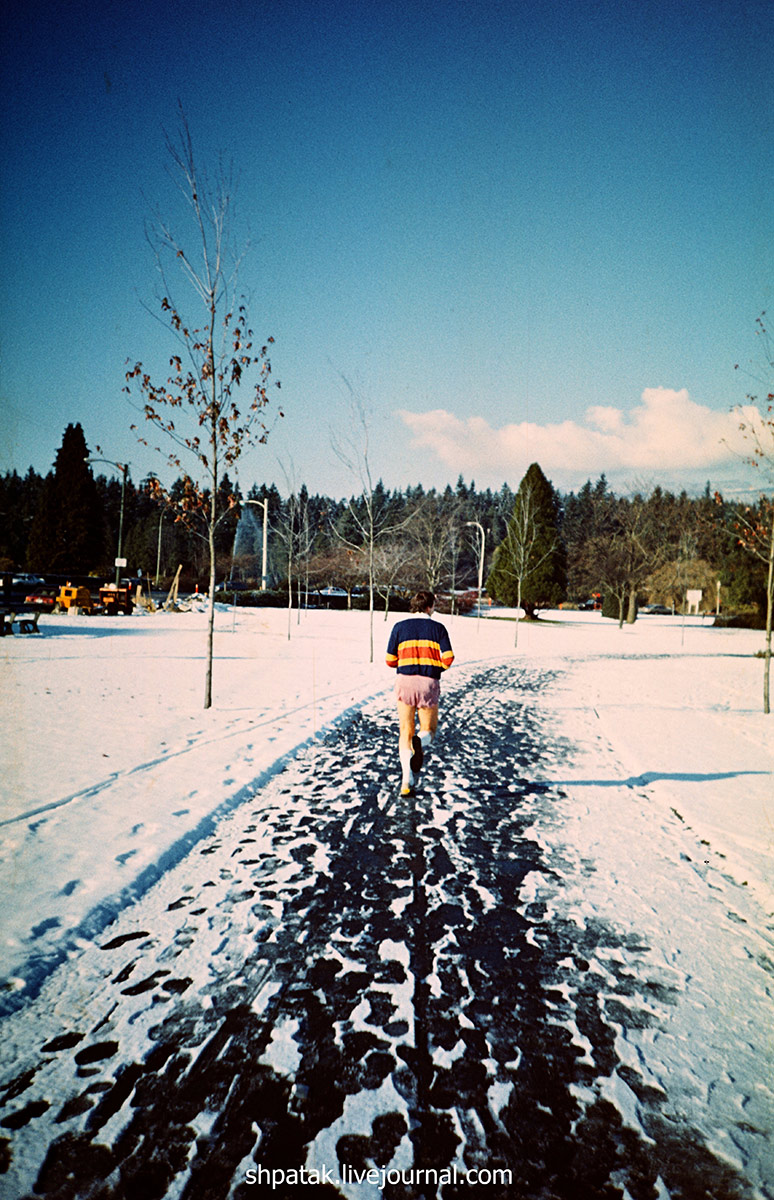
(422, 601)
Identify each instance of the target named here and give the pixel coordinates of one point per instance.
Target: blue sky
(520, 230)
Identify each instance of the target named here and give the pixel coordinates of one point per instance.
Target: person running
(420, 650)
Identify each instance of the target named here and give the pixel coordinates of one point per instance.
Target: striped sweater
(419, 646)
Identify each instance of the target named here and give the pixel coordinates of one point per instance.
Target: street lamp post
(158, 550)
(123, 468)
(264, 504)
(481, 554)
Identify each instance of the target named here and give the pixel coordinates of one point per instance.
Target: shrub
(610, 607)
(256, 599)
(743, 620)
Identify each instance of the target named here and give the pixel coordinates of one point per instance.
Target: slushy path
(348, 993)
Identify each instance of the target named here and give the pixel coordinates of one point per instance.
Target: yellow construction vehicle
(71, 596)
(112, 599)
(115, 599)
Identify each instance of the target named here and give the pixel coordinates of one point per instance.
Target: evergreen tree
(585, 524)
(68, 531)
(743, 575)
(19, 499)
(41, 546)
(529, 568)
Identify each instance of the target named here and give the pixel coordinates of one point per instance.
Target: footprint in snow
(115, 942)
(65, 1041)
(44, 926)
(96, 1053)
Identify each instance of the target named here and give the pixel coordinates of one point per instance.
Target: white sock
(426, 738)
(405, 755)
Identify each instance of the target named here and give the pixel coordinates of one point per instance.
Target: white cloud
(666, 432)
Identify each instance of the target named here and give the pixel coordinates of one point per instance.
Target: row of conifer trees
(541, 547)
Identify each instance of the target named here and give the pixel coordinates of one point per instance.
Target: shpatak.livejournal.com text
(279, 1177)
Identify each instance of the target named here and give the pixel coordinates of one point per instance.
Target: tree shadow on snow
(656, 776)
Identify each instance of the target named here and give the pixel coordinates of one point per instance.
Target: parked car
(26, 580)
(42, 598)
(657, 610)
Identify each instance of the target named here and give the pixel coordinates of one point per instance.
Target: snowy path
(339, 979)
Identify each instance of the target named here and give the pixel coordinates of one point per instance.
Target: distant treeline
(647, 547)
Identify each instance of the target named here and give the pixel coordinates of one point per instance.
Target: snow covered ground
(111, 771)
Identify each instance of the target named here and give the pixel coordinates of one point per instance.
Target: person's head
(423, 602)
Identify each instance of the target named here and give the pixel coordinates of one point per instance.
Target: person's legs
(428, 723)
(406, 719)
(418, 698)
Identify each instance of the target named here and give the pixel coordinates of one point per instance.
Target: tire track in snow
(341, 976)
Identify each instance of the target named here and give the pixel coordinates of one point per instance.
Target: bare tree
(641, 547)
(287, 529)
(369, 516)
(391, 560)
(755, 526)
(196, 407)
(337, 565)
(516, 554)
(626, 542)
(631, 542)
(530, 555)
(305, 541)
(434, 533)
(755, 531)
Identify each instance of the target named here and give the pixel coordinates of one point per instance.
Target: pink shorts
(420, 691)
